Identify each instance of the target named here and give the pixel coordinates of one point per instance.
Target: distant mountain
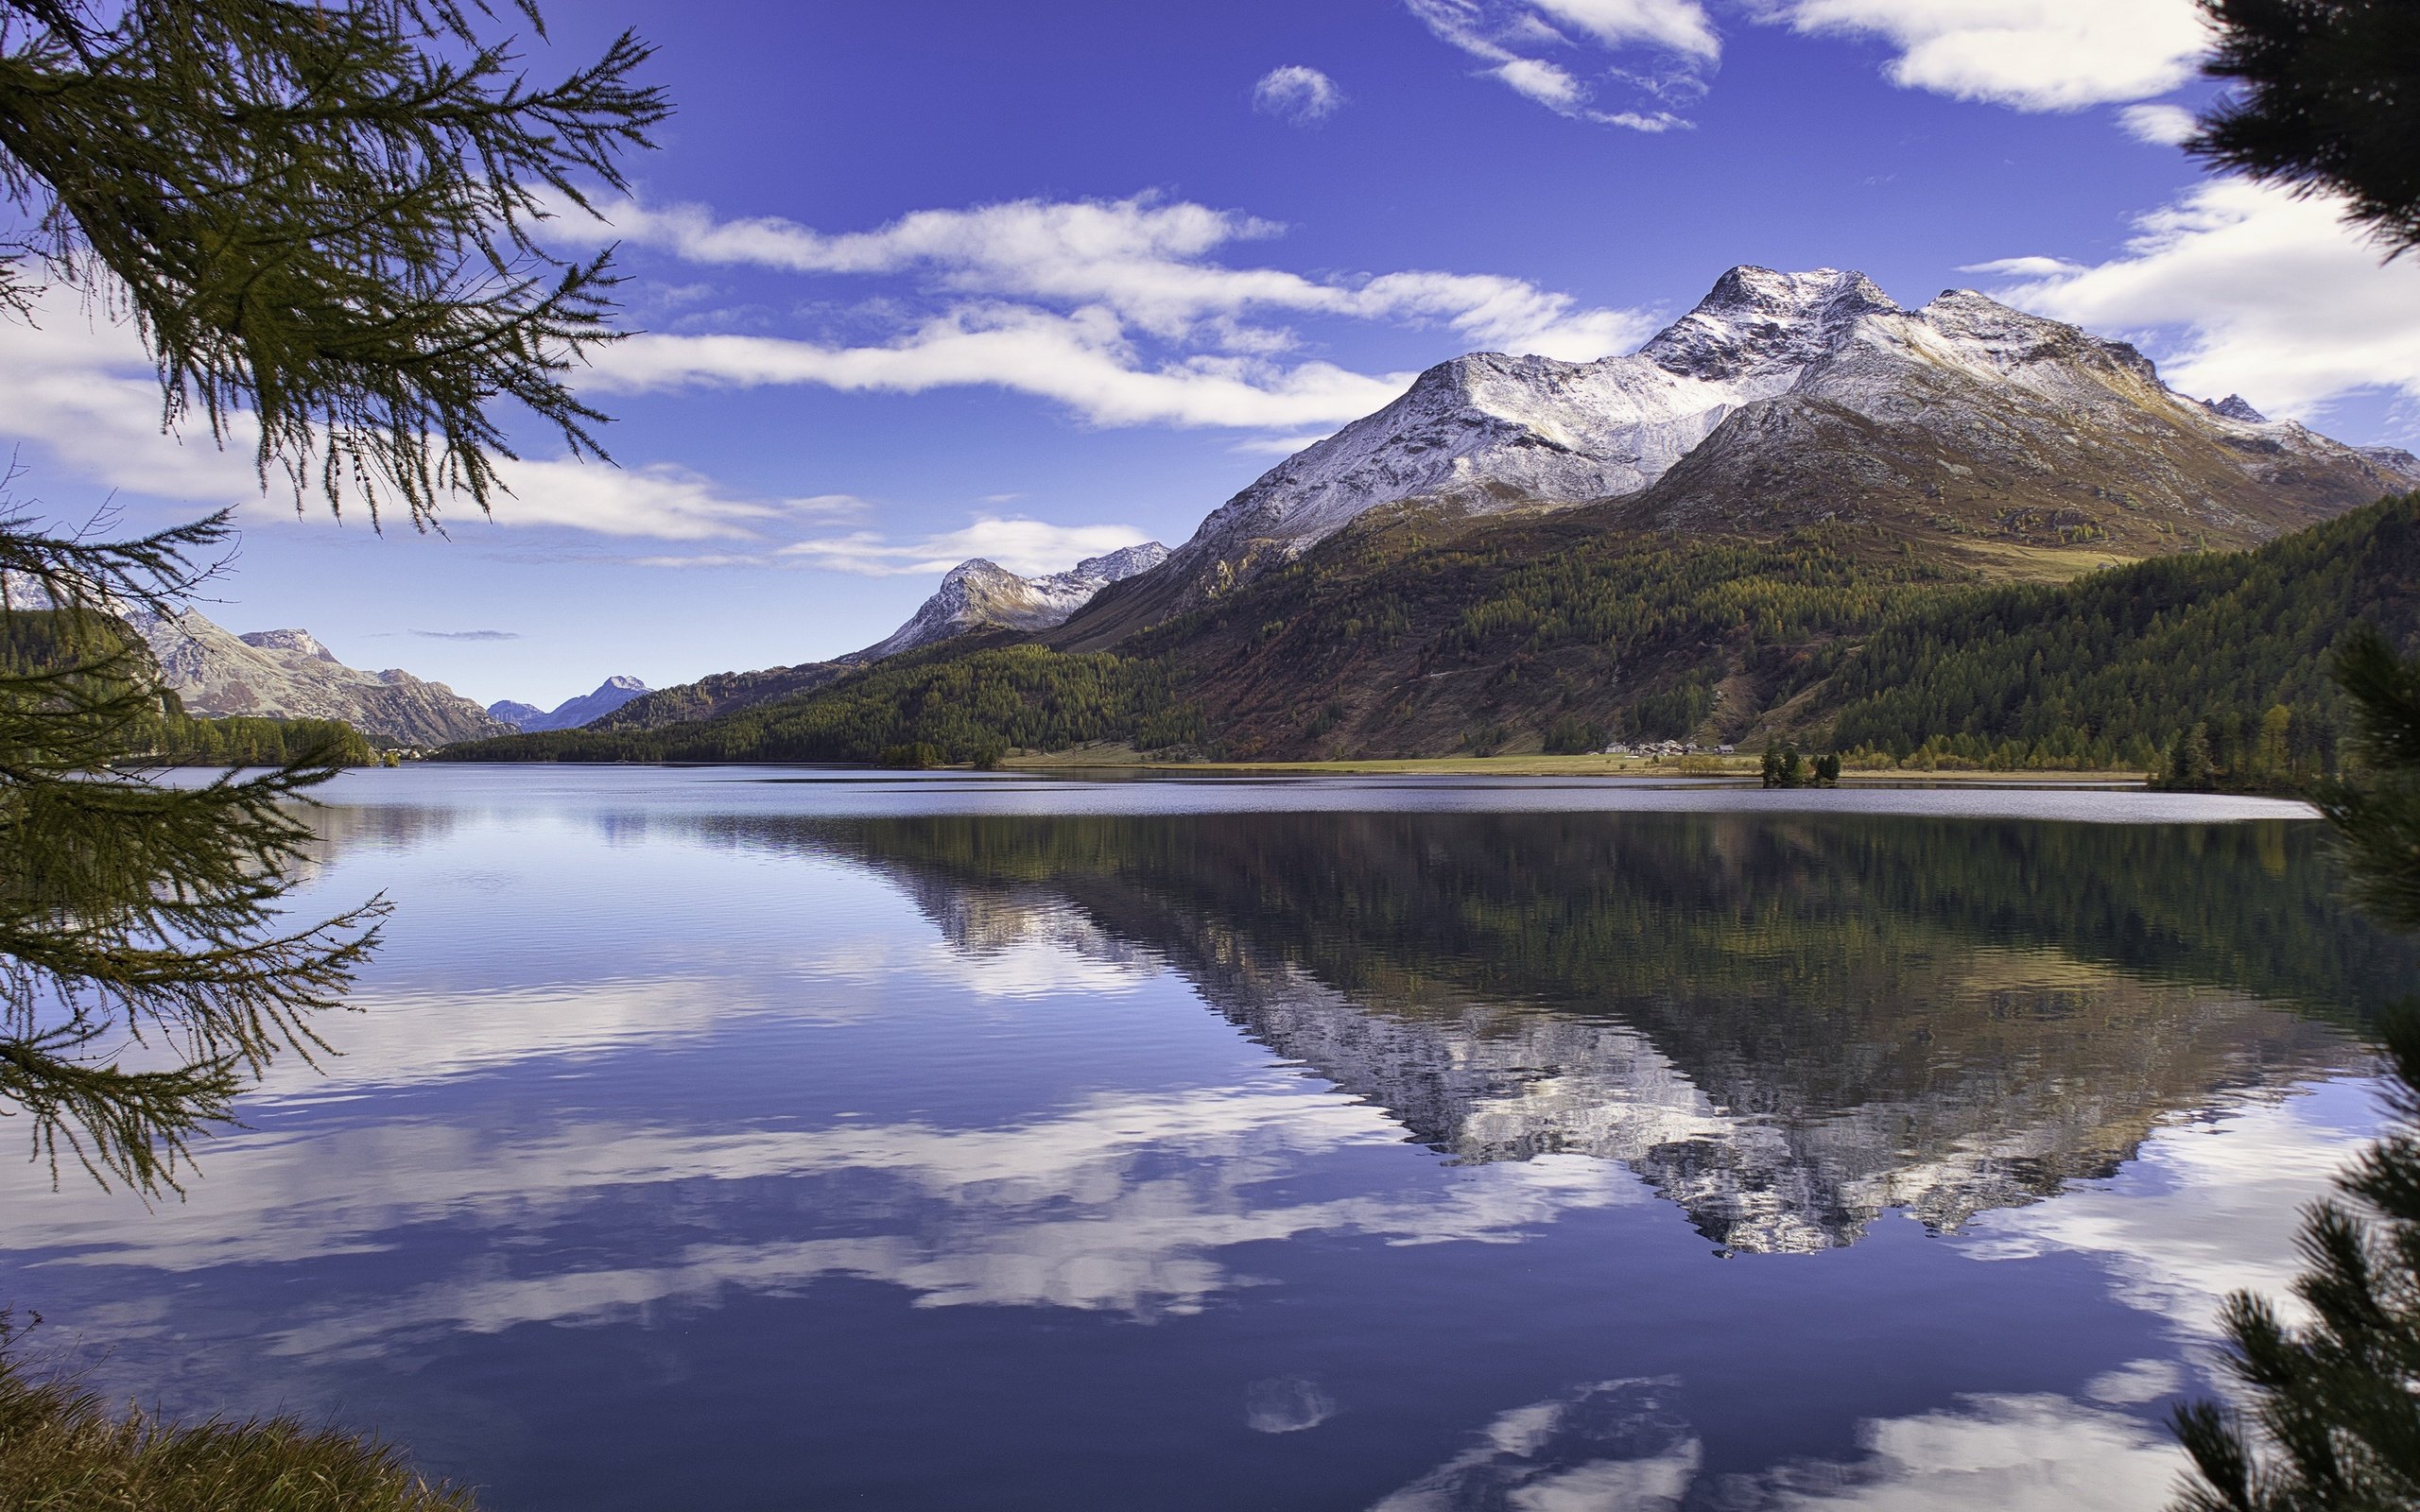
(974, 595)
(1785, 398)
(1682, 544)
(288, 674)
(981, 594)
(572, 713)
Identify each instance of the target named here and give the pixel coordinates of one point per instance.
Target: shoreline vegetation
(1746, 768)
(62, 1447)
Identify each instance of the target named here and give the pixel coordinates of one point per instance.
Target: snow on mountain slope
(977, 594)
(1488, 433)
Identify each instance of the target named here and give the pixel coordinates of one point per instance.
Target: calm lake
(735, 1138)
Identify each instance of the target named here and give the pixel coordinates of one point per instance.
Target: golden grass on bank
(62, 1451)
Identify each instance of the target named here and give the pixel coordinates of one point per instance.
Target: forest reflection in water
(1323, 1159)
(1787, 1027)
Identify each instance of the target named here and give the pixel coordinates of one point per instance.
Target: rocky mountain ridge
(975, 595)
(287, 674)
(1777, 388)
(1521, 553)
(980, 593)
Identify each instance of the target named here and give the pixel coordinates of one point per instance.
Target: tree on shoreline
(2329, 103)
(320, 215)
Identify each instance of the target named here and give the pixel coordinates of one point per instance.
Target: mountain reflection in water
(1784, 1028)
(709, 1141)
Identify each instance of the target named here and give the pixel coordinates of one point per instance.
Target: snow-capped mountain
(973, 595)
(288, 674)
(571, 714)
(1802, 375)
(979, 593)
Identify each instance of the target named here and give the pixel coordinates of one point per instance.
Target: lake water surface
(731, 1139)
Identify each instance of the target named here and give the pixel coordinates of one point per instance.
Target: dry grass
(62, 1451)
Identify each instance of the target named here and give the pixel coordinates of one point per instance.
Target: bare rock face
(1818, 385)
(289, 675)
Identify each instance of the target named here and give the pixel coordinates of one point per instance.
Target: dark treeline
(2122, 667)
(910, 710)
(179, 739)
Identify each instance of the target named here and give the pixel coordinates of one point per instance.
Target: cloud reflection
(2210, 1206)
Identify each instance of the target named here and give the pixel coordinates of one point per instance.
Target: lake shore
(1734, 767)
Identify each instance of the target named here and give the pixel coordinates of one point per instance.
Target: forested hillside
(1411, 634)
(918, 709)
(2113, 668)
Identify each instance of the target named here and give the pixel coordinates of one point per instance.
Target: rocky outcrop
(289, 675)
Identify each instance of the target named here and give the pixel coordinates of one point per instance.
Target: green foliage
(2122, 663)
(1572, 736)
(2378, 814)
(61, 1447)
(135, 916)
(952, 706)
(2334, 1418)
(163, 734)
(1671, 715)
(321, 216)
(2329, 101)
(177, 739)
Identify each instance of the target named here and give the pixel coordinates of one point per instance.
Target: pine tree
(322, 214)
(2334, 1404)
(2329, 101)
(132, 910)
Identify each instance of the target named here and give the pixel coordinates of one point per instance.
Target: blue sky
(934, 278)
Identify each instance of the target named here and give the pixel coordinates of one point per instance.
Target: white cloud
(1510, 36)
(660, 501)
(1302, 96)
(1676, 26)
(1028, 547)
(1143, 260)
(1081, 360)
(2166, 125)
(2035, 55)
(83, 387)
(1103, 306)
(2245, 289)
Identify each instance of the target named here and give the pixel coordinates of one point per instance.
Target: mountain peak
(1756, 320)
(300, 642)
(571, 714)
(2234, 407)
(980, 592)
